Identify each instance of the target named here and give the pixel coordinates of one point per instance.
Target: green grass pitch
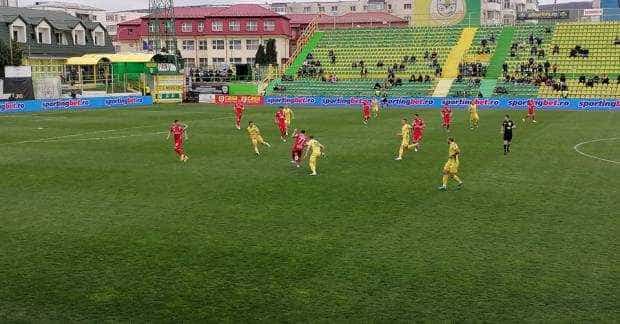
(100, 222)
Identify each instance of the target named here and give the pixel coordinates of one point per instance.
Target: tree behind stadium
(10, 56)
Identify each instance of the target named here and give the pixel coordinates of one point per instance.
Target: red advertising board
(229, 100)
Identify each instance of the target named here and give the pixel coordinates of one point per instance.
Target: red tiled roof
(349, 18)
(246, 10)
(134, 22)
(196, 12)
(301, 19)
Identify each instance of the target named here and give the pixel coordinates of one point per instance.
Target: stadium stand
(339, 53)
(572, 59)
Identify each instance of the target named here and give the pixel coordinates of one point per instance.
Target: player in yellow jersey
(256, 137)
(451, 168)
(474, 119)
(375, 107)
(288, 117)
(405, 134)
(315, 149)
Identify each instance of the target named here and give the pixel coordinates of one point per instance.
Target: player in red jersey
(418, 131)
(531, 111)
(365, 112)
(179, 132)
(446, 117)
(299, 143)
(280, 120)
(239, 109)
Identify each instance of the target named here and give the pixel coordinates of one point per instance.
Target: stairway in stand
(451, 67)
(487, 85)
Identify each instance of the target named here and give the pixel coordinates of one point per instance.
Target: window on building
(234, 44)
(203, 45)
(186, 27)
(168, 26)
(334, 8)
(251, 44)
(203, 61)
(190, 62)
(152, 45)
(250, 60)
(321, 9)
(252, 25)
(506, 4)
(188, 45)
(79, 35)
(171, 46)
(99, 37)
(201, 26)
(217, 25)
(233, 25)
(408, 18)
(353, 8)
(152, 27)
(234, 60)
(218, 61)
(269, 25)
(217, 44)
(407, 6)
(279, 9)
(307, 10)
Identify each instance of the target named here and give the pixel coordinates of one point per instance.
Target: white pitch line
(576, 148)
(74, 135)
(101, 138)
(56, 138)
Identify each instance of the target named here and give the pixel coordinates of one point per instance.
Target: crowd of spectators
(211, 74)
(311, 68)
(472, 70)
(579, 51)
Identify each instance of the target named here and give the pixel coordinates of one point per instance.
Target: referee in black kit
(507, 127)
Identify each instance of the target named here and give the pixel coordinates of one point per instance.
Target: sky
(142, 4)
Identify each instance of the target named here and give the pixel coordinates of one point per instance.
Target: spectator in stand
(541, 53)
(354, 64)
(492, 38)
(420, 78)
(380, 63)
(412, 59)
(531, 39)
(426, 55)
(505, 68)
(582, 79)
(617, 40)
(427, 78)
(605, 79)
(556, 49)
(402, 67)
(618, 80)
(555, 68)
(547, 65)
(412, 78)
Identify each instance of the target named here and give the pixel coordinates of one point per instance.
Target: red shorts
(296, 153)
(282, 127)
(447, 120)
(178, 148)
(531, 112)
(238, 117)
(417, 136)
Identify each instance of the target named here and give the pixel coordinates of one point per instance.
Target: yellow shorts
(257, 140)
(474, 117)
(451, 167)
(314, 157)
